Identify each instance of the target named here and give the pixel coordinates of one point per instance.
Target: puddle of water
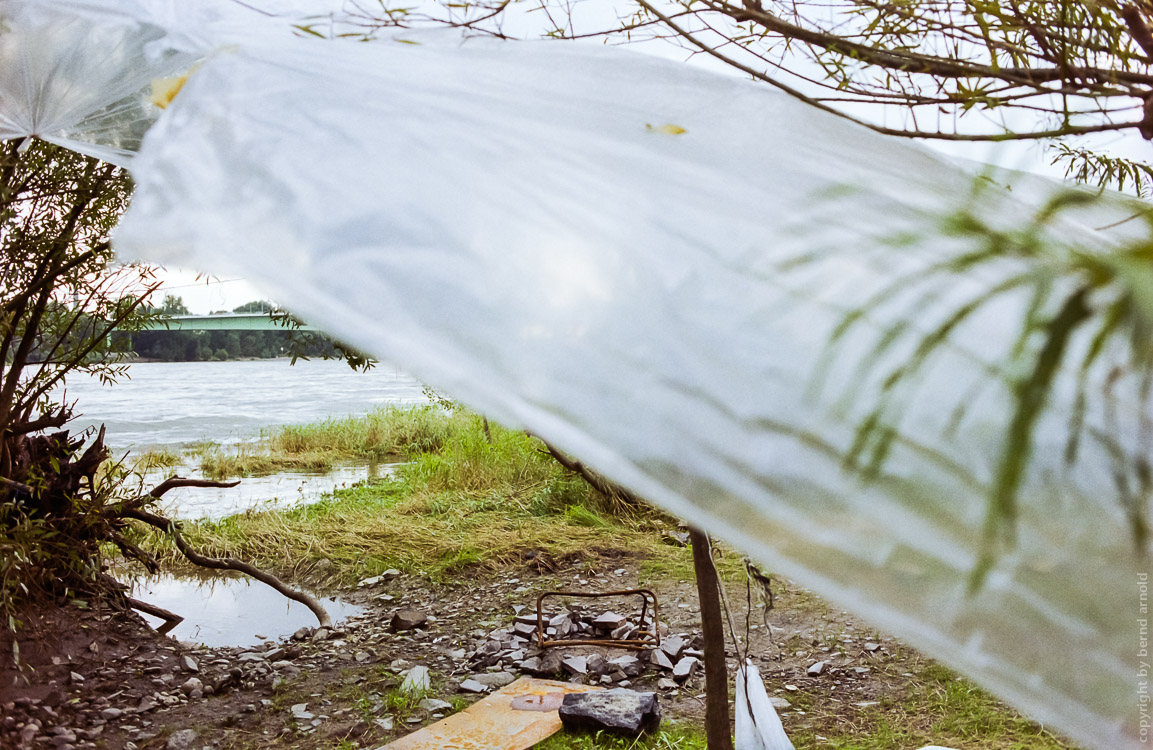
(272, 492)
(230, 611)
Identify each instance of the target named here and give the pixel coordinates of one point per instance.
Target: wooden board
(492, 723)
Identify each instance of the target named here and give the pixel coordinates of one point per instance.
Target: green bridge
(223, 322)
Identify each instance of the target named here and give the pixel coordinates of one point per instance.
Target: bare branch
(228, 563)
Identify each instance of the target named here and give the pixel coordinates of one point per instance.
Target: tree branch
(598, 482)
(931, 135)
(228, 563)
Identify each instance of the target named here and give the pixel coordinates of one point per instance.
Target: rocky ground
(104, 680)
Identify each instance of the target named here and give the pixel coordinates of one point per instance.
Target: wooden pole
(712, 630)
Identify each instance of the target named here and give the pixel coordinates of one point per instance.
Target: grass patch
(389, 433)
(472, 502)
(936, 707)
(248, 462)
(382, 433)
(158, 458)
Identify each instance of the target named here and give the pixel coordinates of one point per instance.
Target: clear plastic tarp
(645, 264)
(91, 79)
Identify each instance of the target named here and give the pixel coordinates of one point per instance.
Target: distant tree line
(201, 346)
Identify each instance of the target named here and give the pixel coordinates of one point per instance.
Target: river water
(175, 404)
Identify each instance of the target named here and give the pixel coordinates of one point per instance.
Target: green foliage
(62, 297)
(582, 516)
(383, 432)
(1089, 311)
(1096, 168)
(471, 503)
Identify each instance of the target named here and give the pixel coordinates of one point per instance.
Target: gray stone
(665, 683)
(609, 621)
(872, 647)
(370, 581)
(407, 619)
(685, 668)
(472, 686)
(779, 703)
(385, 723)
(618, 710)
(550, 663)
(530, 665)
(816, 670)
(111, 714)
(302, 634)
(300, 712)
(192, 684)
(435, 704)
(575, 665)
(628, 664)
(597, 664)
(416, 681)
(672, 646)
(190, 664)
(282, 653)
(624, 632)
(181, 739)
(494, 679)
(660, 659)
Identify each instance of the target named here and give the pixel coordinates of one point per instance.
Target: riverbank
(467, 534)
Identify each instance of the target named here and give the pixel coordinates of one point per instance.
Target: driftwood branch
(170, 484)
(171, 619)
(134, 552)
(228, 563)
(5, 482)
(598, 482)
(173, 482)
(45, 422)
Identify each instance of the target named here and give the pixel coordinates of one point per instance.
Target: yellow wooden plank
(492, 723)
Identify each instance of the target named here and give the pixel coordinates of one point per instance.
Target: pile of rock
(515, 650)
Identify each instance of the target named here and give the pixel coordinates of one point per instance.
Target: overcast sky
(208, 293)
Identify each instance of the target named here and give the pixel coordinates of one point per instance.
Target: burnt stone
(619, 711)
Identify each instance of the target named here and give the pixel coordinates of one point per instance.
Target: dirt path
(107, 681)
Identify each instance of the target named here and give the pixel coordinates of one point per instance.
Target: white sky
(206, 293)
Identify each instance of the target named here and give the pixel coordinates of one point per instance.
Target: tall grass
(382, 433)
(469, 499)
(385, 433)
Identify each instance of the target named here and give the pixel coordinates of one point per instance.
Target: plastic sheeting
(92, 87)
(593, 245)
(755, 721)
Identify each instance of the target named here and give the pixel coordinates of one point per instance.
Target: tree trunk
(712, 629)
